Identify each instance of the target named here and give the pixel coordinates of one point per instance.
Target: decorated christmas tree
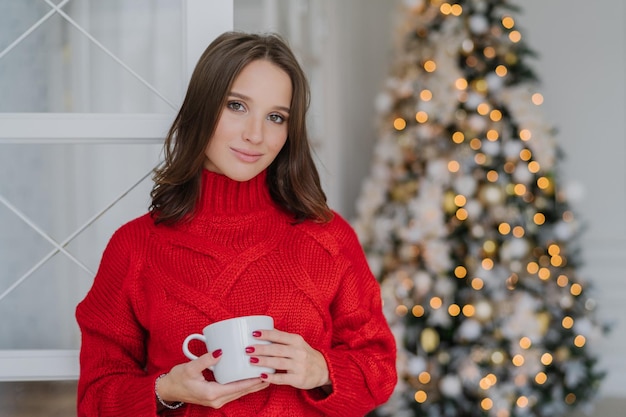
(469, 228)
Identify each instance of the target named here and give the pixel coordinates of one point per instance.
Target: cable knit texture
(240, 255)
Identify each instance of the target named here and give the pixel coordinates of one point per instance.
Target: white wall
(581, 64)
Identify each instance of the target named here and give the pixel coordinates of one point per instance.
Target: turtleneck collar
(220, 195)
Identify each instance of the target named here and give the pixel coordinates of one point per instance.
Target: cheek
(277, 140)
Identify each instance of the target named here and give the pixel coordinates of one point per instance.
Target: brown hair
(292, 177)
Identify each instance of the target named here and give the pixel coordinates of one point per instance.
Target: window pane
(58, 189)
(109, 56)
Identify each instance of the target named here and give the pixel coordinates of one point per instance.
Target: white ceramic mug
(232, 336)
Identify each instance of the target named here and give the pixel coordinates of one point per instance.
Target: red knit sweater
(240, 255)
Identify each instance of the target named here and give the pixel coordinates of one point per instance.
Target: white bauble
(450, 386)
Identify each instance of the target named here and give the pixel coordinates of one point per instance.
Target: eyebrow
(245, 97)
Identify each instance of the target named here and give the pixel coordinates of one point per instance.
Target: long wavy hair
(292, 177)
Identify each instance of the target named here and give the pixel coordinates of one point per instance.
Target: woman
(238, 226)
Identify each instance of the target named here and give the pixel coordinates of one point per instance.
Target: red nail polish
(249, 349)
(254, 360)
(217, 353)
(263, 376)
(256, 333)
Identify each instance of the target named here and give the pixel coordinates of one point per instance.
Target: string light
(426, 95)
(489, 52)
(486, 404)
(461, 84)
(504, 228)
(537, 99)
(518, 360)
(579, 341)
(539, 219)
(424, 377)
(457, 10)
(492, 135)
(541, 378)
(518, 231)
(546, 359)
(399, 123)
(454, 310)
(487, 264)
(562, 281)
(515, 36)
(421, 117)
(468, 310)
(520, 189)
(544, 274)
(543, 183)
(525, 135)
(477, 284)
(445, 8)
(418, 310)
(475, 144)
(430, 66)
(421, 396)
(522, 402)
(508, 22)
(401, 310)
(495, 115)
(525, 342)
(534, 167)
(436, 303)
(483, 109)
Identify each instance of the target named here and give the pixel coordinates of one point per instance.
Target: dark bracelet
(158, 397)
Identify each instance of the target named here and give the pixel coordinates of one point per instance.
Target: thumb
(208, 359)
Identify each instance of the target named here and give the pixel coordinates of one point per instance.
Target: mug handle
(188, 339)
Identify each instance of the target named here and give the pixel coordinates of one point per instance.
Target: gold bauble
(429, 339)
(448, 203)
(543, 319)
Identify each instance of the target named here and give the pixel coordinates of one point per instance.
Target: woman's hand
(296, 362)
(186, 383)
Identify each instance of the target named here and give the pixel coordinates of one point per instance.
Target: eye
(276, 118)
(235, 106)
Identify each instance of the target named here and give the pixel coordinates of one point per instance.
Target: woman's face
(252, 128)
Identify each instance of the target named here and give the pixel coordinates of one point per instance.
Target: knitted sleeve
(112, 379)
(362, 360)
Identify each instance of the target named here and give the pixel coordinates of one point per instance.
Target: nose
(253, 132)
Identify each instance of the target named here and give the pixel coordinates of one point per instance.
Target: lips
(245, 155)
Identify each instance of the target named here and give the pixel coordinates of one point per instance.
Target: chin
(241, 177)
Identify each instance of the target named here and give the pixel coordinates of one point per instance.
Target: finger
(205, 361)
(280, 378)
(244, 385)
(273, 349)
(277, 336)
(219, 394)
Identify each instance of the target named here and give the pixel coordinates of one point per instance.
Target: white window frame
(203, 20)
